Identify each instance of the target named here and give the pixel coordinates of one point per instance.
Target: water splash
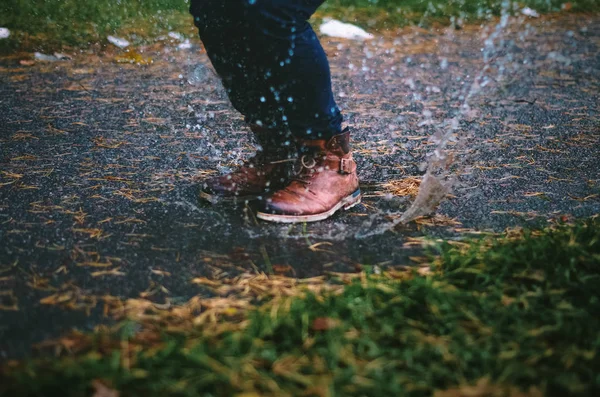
(441, 175)
(431, 192)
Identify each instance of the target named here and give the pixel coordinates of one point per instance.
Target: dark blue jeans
(271, 63)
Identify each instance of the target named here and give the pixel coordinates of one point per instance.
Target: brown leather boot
(325, 181)
(269, 170)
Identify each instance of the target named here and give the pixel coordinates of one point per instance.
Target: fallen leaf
(282, 269)
(324, 323)
(315, 247)
(100, 390)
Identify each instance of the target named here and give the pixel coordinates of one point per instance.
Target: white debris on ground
(335, 28)
(176, 35)
(186, 45)
(530, 12)
(119, 42)
(4, 33)
(51, 58)
(62, 57)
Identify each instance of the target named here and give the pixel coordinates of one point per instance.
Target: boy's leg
(291, 55)
(271, 62)
(277, 75)
(229, 41)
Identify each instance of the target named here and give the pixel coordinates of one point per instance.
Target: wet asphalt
(100, 163)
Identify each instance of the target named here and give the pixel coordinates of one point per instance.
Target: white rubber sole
(346, 203)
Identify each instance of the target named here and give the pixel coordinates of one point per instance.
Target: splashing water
(431, 192)
(439, 178)
(441, 168)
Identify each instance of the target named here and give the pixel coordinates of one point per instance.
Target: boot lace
(262, 158)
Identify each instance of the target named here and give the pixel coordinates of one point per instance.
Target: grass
(54, 24)
(508, 315)
(390, 13)
(58, 24)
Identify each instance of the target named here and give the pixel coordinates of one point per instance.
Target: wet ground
(100, 160)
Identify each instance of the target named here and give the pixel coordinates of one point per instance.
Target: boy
(277, 75)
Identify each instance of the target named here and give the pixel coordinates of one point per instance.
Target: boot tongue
(338, 144)
(313, 146)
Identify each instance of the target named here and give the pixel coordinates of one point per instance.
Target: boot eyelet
(312, 163)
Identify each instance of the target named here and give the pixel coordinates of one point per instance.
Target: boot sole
(346, 203)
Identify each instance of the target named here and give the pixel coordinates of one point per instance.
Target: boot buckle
(347, 166)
